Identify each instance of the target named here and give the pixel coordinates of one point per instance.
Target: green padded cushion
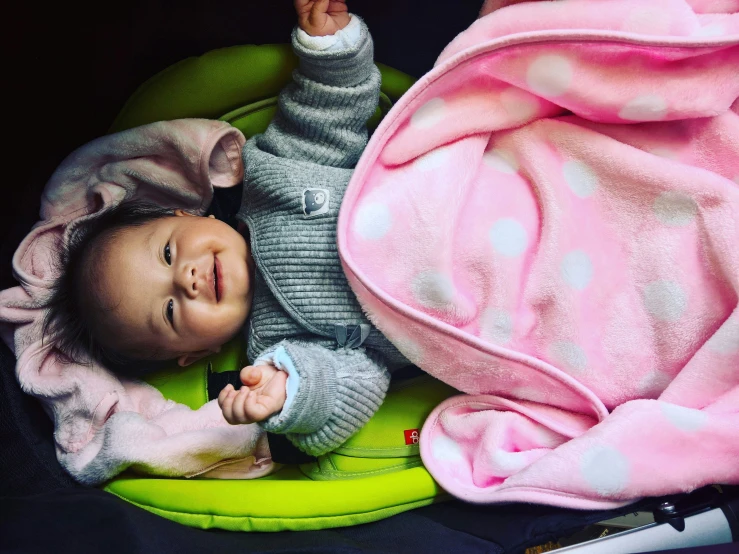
(342, 488)
(238, 84)
(375, 474)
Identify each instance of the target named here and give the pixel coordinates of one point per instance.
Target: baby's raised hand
(262, 395)
(320, 18)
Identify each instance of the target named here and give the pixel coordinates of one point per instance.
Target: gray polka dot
(433, 289)
(665, 300)
(570, 355)
(496, 326)
(675, 209)
(580, 178)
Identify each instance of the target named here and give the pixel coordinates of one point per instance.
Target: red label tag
(411, 436)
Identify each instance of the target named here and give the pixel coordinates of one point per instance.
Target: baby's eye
(167, 255)
(170, 311)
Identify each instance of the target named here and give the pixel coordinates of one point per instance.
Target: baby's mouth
(215, 279)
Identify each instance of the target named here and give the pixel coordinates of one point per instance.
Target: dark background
(68, 69)
(70, 66)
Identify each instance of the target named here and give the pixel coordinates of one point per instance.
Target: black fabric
(731, 512)
(217, 381)
(285, 452)
(226, 204)
(28, 462)
(88, 520)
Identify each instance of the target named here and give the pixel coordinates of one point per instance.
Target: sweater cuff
(345, 67)
(279, 358)
(356, 402)
(339, 392)
(348, 37)
(310, 408)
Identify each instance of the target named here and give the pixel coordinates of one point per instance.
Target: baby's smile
(195, 293)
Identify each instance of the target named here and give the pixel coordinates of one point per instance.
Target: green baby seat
(377, 472)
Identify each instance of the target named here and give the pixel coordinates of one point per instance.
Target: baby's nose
(190, 281)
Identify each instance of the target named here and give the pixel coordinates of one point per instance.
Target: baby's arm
(322, 114)
(331, 394)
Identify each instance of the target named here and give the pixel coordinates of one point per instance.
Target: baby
(145, 283)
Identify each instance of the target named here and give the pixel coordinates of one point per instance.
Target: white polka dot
(653, 384)
(570, 355)
(649, 21)
(577, 269)
(664, 153)
(372, 221)
(444, 449)
(428, 115)
(675, 209)
(432, 160)
(496, 326)
(433, 289)
(648, 107)
(605, 469)
(530, 393)
(665, 300)
(500, 160)
(685, 419)
(580, 178)
(710, 30)
(726, 339)
(409, 348)
(549, 75)
(509, 238)
(519, 104)
(505, 464)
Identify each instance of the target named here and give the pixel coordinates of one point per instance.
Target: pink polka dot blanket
(549, 222)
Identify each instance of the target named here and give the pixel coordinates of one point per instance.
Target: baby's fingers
(239, 404)
(224, 394)
(250, 376)
(227, 406)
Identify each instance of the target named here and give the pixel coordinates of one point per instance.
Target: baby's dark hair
(67, 322)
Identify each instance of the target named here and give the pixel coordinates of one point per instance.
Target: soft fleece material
(104, 424)
(549, 222)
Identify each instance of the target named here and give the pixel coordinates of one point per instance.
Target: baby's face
(179, 286)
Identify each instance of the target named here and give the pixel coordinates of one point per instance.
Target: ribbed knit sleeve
(339, 391)
(295, 177)
(322, 114)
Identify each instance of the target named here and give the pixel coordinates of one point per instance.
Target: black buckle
(674, 509)
(217, 381)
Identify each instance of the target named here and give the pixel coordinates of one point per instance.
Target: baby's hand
(262, 395)
(321, 18)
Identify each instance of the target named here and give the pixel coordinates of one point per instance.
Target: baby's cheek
(211, 326)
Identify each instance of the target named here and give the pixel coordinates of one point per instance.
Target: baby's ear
(191, 357)
(180, 213)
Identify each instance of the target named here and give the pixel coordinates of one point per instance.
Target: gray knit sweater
(304, 313)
